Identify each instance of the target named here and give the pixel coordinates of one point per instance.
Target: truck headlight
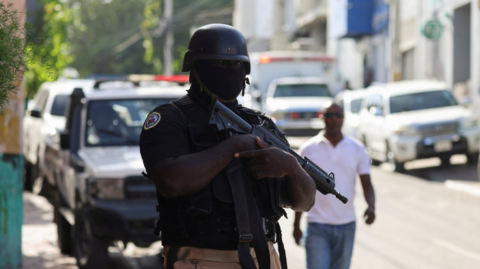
(405, 130)
(106, 188)
(468, 123)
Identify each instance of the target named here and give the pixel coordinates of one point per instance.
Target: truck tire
(445, 161)
(64, 229)
(398, 166)
(91, 251)
(369, 150)
(27, 176)
(472, 158)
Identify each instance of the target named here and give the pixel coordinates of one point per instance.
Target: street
(426, 218)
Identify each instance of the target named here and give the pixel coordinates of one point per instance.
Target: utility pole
(168, 48)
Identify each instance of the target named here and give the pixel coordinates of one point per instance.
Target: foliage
(49, 51)
(106, 36)
(12, 52)
(150, 29)
(111, 36)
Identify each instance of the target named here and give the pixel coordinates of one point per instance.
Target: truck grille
(139, 188)
(438, 129)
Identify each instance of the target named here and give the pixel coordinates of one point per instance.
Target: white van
(270, 65)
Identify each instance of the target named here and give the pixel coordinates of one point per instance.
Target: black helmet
(216, 42)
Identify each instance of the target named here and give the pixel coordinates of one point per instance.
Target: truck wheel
(369, 150)
(399, 166)
(445, 160)
(27, 176)
(64, 229)
(472, 158)
(91, 251)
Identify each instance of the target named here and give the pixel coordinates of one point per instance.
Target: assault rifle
(225, 120)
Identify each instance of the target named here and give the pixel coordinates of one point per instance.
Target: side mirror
(376, 111)
(35, 113)
(65, 140)
(466, 101)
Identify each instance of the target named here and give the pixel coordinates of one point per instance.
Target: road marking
(458, 250)
(462, 187)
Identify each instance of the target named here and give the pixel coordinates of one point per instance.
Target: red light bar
(174, 78)
(264, 59)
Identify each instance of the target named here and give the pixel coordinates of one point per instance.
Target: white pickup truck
(43, 122)
(410, 120)
(295, 104)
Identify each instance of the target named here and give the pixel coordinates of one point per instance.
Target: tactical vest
(211, 211)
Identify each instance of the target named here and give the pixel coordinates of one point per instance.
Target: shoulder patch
(152, 120)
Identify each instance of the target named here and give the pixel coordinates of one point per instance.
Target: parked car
(101, 195)
(295, 103)
(352, 103)
(409, 120)
(43, 121)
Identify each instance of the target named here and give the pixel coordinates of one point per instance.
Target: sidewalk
(470, 187)
(39, 236)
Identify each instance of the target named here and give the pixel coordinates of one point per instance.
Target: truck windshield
(117, 122)
(59, 105)
(421, 100)
(302, 90)
(356, 105)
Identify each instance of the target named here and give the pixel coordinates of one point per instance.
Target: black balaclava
(224, 82)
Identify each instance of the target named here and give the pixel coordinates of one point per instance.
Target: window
(356, 105)
(41, 100)
(421, 100)
(59, 105)
(117, 122)
(375, 104)
(302, 90)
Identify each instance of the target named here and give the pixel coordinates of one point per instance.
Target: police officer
(220, 196)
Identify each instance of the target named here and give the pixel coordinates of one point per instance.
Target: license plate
(441, 146)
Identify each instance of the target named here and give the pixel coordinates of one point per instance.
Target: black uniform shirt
(165, 135)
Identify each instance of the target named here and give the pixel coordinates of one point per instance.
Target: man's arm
(269, 161)
(188, 174)
(297, 232)
(369, 194)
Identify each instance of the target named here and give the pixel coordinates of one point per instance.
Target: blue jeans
(329, 246)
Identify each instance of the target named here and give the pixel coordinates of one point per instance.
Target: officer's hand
(297, 234)
(268, 161)
(369, 215)
(245, 142)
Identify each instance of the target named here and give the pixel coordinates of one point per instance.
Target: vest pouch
(203, 136)
(201, 202)
(221, 188)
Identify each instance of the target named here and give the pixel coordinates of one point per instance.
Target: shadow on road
(431, 170)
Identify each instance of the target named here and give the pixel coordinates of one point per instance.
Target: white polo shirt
(346, 160)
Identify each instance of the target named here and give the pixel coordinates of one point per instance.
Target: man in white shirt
(331, 225)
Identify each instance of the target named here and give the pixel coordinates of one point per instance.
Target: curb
(472, 188)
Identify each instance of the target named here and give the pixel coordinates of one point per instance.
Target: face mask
(224, 81)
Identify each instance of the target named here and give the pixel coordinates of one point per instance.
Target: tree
(48, 51)
(12, 52)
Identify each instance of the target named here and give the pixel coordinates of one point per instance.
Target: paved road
(421, 223)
